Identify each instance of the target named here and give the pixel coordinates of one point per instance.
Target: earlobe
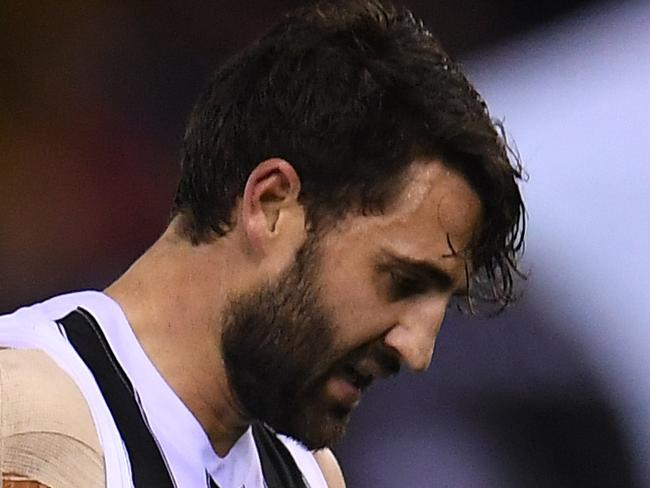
(272, 190)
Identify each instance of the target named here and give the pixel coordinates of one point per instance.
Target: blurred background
(554, 393)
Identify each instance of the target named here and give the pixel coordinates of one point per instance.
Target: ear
(271, 212)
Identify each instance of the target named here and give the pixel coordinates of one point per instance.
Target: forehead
(435, 206)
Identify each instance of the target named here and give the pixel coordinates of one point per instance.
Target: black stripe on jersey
(279, 468)
(148, 465)
(61, 330)
(209, 482)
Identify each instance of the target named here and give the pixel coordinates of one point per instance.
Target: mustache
(388, 360)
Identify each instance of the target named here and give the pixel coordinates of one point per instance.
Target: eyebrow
(425, 271)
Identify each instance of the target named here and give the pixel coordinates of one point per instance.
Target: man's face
(369, 295)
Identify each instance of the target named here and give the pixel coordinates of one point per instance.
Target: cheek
(357, 311)
(351, 288)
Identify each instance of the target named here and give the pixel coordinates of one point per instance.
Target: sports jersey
(142, 426)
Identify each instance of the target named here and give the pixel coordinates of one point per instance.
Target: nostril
(389, 362)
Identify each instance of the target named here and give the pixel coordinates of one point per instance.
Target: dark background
(93, 101)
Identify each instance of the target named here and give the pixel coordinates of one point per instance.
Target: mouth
(359, 379)
(347, 383)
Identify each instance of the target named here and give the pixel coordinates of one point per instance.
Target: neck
(174, 297)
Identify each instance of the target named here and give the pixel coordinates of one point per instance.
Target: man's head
(361, 298)
(406, 191)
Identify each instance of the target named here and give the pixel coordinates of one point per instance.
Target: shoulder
(36, 394)
(19, 482)
(44, 418)
(329, 465)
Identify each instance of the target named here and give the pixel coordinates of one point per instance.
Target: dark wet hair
(350, 93)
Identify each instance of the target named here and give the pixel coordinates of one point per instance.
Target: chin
(317, 428)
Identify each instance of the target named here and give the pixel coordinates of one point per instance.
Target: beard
(278, 347)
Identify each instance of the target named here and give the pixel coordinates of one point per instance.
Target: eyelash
(403, 286)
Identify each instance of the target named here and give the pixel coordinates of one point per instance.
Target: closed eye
(403, 286)
(409, 277)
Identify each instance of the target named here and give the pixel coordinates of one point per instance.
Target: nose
(414, 336)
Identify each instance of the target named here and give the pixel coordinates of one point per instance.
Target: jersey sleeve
(47, 434)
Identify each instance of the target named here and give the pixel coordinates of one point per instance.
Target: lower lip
(343, 391)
